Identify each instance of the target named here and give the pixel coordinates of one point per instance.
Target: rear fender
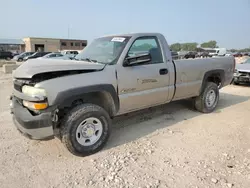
(219, 72)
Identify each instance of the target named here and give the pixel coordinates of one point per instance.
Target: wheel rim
(210, 98)
(89, 131)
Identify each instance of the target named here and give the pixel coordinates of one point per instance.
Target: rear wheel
(86, 129)
(208, 99)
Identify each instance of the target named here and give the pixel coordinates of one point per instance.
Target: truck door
(143, 85)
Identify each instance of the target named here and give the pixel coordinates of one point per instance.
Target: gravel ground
(167, 146)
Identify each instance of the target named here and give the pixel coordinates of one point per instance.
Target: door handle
(163, 71)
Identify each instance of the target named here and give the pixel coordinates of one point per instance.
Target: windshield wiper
(87, 59)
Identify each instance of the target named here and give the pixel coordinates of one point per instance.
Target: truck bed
(190, 73)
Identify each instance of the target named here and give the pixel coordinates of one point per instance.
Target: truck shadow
(132, 126)
(243, 85)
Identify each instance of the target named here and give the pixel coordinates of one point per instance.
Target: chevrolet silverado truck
(75, 100)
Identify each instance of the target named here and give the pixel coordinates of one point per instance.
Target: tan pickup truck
(75, 100)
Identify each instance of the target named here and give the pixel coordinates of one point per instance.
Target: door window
(148, 45)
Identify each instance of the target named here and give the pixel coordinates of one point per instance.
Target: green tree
(175, 47)
(189, 46)
(245, 50)
(234, 50)
(209, 44)
(240, 50)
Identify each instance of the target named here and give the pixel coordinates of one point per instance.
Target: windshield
(104, 50)
(247, 61)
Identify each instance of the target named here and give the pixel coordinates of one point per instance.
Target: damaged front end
(241, 76)
(32, 114)
(35, 98)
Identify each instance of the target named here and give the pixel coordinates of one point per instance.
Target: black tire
(236, 83)
(200, 101)
(20, 59)
(71, 122)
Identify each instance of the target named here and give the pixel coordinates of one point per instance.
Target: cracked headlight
(33, 91)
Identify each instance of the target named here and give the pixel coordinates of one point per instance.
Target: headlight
(235, 71)
(35, 105)
(33, 91)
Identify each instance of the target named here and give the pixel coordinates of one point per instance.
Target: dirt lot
(167, 146)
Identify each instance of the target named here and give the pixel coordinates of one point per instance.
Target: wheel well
(216, 78)
(102, 99)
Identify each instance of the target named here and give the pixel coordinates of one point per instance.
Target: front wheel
(86, 129)
(208, 99)
(236, 83)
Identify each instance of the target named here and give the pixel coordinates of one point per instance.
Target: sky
(226, 21)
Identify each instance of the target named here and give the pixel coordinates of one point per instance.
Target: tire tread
(76, 112)
(199, 101)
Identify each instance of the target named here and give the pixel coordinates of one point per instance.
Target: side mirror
(139, 59)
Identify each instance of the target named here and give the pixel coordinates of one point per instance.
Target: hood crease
(37, 66)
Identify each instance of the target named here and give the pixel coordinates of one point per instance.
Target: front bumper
(38, 127)
(245, 79)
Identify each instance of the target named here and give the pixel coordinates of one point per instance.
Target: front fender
(67, 97)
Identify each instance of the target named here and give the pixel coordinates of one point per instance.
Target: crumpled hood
(243, 67)
(35, 66)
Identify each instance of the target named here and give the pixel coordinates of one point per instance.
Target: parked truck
(75, 100)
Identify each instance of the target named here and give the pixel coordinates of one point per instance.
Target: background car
(237, 54)
(15, 54)
(229, 53)
(246, 54)
(181, 54)
(174, 55)
(70, 53)
(51, 55)
(6, 55)
(190, 55)
(22, 55)
(36, 55)
(242, 72)
(64, 57)
(203, 54)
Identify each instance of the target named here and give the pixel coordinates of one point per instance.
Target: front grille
(18, 84)
(244, 73)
